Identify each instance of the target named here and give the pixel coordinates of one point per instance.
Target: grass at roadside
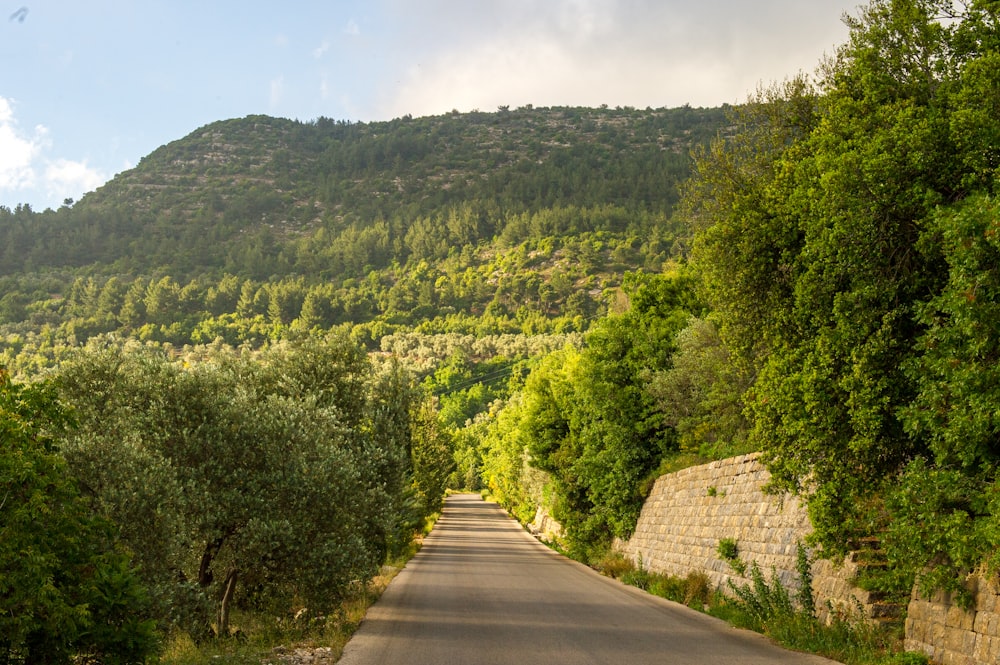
(262, 638)
(765, 606)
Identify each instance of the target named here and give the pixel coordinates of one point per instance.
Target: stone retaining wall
(544, 527)
(689, 512)
(952, 635)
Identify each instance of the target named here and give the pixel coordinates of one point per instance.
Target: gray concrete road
(483, 591)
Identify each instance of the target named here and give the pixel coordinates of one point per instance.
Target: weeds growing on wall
(729, 551)
(848, 638)
(767, 607)
(760, 604)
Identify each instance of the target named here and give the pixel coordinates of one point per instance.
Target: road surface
(482, 591)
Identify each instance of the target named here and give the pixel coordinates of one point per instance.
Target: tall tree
(810, 247)
(593, 425)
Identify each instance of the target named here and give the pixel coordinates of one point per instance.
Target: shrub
(66, 593)
(729, 551)
(248, 482)
(638, 577)
(614, 564)
(803, 566)
(697, 589)
(760, 603)
(670, 587)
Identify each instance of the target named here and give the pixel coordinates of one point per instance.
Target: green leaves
(289, 468)
(65, 589)
(946, 505)
(950, 518)
(851, 268)
(957, 372)
(586, 418)
(701, 394)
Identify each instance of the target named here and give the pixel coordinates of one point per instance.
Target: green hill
(514, 221)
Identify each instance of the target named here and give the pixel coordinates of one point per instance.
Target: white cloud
(321, 50)
(16, 155)
(18, 151)
(67, 178)
(352, 28)
(455, 54)
(487, 77)
(582, 18)
(24, 166)
(277, 91)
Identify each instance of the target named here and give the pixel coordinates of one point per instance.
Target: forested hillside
(514, 221)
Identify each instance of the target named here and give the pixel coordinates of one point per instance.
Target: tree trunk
(227, 595)
(205, 576)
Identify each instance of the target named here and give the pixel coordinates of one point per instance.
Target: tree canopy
(67, 591)
(839, 233)
(265, 480)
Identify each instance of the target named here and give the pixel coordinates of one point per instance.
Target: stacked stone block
(689, 512)
(544, 526)
(952, 635)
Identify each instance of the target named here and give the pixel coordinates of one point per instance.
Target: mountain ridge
(500, 222)
(242, 174)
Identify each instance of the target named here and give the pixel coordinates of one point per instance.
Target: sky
(89, 88)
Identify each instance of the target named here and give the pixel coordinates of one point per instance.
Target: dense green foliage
(284, 475)
(549, 286)
(66, 590)
(700, 395)
(946, 503)
(846, 248)
(585, 417)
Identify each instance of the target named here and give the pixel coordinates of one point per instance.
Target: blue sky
(89, 88)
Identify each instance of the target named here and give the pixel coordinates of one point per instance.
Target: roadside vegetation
(765, 606)
(260, 637)
(153, 502)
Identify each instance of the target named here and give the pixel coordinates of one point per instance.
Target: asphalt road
(482, 591)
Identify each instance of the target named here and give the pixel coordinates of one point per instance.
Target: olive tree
(277, 474)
